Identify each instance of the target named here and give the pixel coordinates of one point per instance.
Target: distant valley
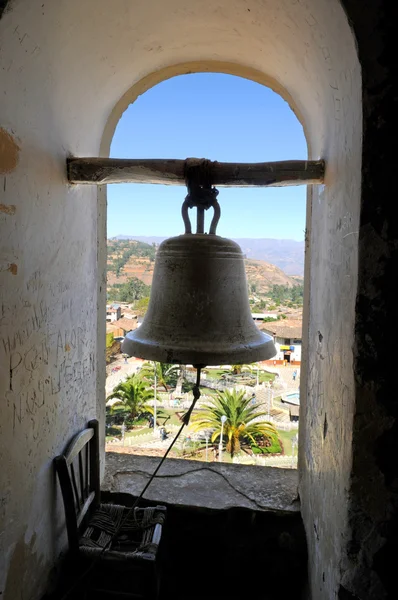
(261, 275)
(287, 255)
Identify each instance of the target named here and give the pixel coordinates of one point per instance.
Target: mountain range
(288, 255)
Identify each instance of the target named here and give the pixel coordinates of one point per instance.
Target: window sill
(206, 485)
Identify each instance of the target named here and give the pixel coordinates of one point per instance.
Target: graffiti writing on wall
(38, 364)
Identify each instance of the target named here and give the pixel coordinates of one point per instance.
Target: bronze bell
(199, 310)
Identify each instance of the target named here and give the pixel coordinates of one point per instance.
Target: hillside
(261, 275)
(288, 255)
(141, 268)
(130, 258)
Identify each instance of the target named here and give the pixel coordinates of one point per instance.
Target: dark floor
(204, 554)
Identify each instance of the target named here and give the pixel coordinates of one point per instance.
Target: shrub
(272, 446)
(112, 431)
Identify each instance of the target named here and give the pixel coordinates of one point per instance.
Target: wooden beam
(98, 171)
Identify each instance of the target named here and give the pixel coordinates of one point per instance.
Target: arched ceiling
(85, 56)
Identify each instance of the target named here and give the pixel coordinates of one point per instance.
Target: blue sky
(219, 117)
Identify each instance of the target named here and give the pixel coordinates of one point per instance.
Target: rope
(201, 194)
(185, 421)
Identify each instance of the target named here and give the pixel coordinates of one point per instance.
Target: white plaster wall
(65, 65)
(280, 353)
(327, 374)
(48, 309)
(296, 355)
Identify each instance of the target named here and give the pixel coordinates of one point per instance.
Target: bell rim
(264, 349)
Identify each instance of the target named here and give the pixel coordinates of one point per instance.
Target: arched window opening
(228, 119)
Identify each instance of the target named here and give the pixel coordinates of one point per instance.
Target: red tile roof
(285, 328)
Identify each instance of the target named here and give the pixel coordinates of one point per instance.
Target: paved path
(129, 368)
(150, 440)
(286, 375)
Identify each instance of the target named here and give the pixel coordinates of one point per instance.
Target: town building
(287, 335)
(113, 312)
(122, 326)
(261, 316)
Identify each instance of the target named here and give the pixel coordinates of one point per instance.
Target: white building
(113, 312)
(287, 336)
(262, 316)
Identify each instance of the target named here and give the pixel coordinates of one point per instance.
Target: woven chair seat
(135, 539)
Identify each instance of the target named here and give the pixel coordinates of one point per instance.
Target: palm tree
(238, 369)
(240, 428)
(162, 370)
(133, 395)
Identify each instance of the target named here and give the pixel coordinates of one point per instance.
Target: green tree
(134, 289)
(283, 294)
(118, 265)
(132, 395)
(164, 373)
(141, 305)
(110, 338)
(241, 427)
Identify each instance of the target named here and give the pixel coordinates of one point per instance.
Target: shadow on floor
(206, 554)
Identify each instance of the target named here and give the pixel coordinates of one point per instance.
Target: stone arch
(171, 71)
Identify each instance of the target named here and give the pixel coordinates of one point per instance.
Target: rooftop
(113, 306)
(125, 323)
(287, 328)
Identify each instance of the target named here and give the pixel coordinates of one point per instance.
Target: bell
(199, 310)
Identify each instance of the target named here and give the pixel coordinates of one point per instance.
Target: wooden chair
(131, 538)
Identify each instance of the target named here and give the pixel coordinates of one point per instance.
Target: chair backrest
(79, 478)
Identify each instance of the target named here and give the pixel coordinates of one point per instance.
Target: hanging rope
(201, 194)
(196, 395)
